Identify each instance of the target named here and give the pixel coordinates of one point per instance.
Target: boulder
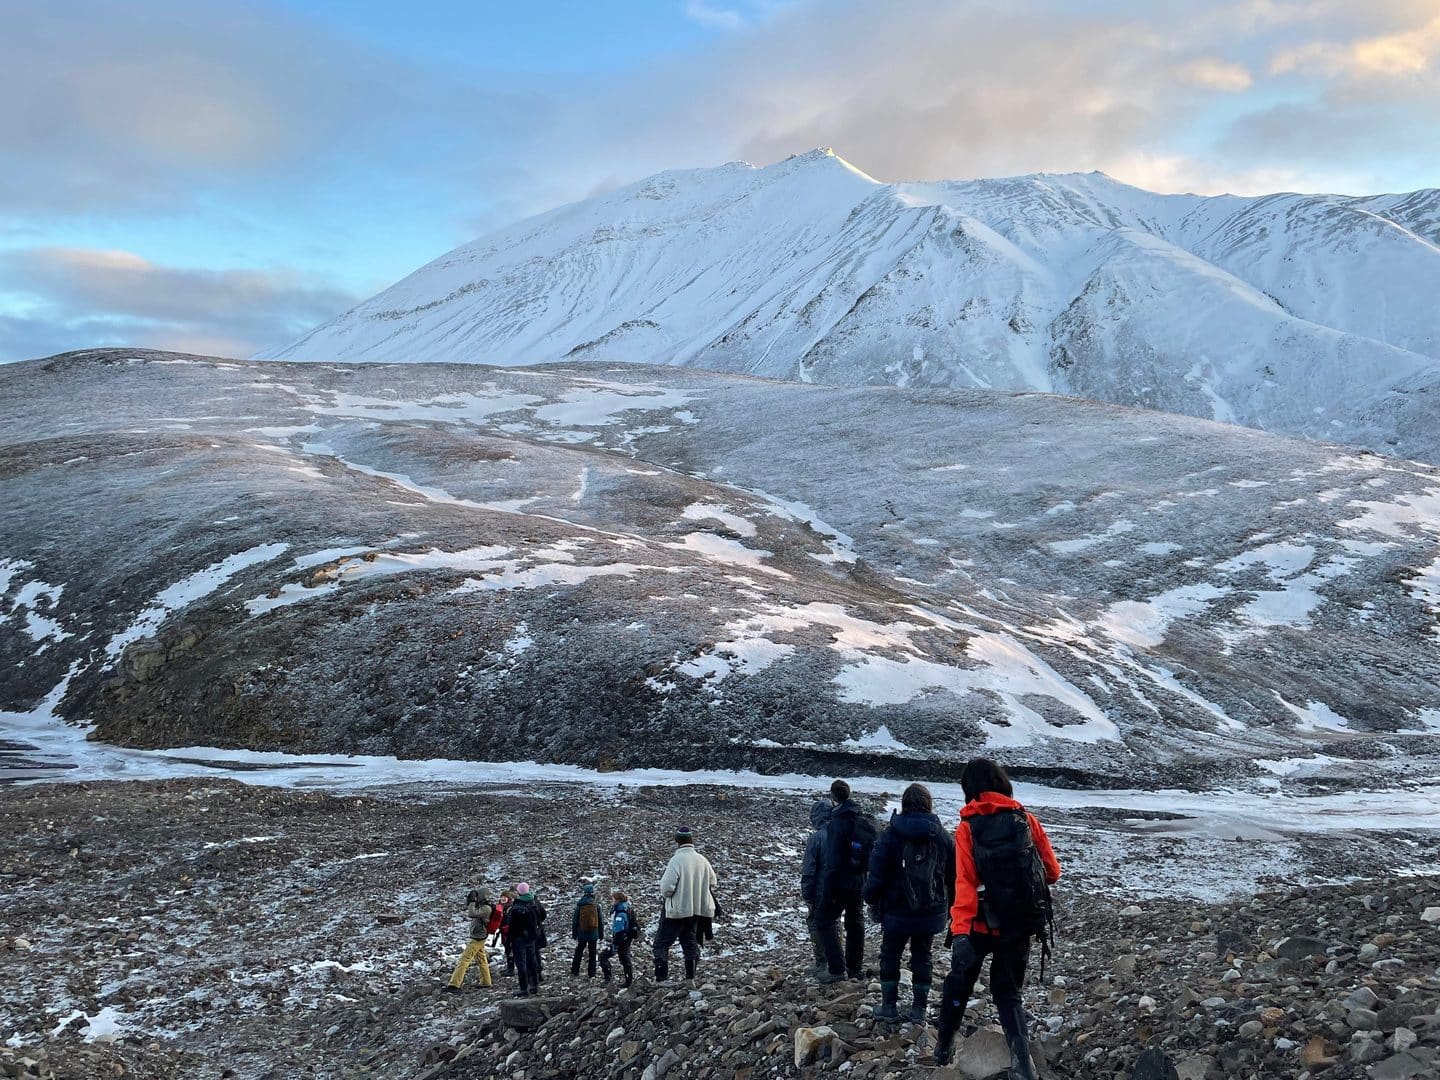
(1154, 1064)
(527, 1014)
(1406, 1066)
(814, 1044)
(984, 1054)
(1300, 947)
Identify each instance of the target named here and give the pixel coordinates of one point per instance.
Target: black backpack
(523, 921)
(922, 874)
(1014, 895)
(856, 856)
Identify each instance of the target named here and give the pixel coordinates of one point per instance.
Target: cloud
(151, 106)
(70, 298)
(1183, 96)
(1214, 74)
(713, 18)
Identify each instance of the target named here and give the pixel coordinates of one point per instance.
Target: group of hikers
(985, 887)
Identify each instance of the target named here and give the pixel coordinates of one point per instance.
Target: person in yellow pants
(478, 908)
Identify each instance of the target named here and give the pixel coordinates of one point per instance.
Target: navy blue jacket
(810, 866)
(884, 884)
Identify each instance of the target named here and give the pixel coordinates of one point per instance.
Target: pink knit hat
(522, 888)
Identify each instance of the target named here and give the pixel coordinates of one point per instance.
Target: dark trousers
(847, 905)
(892, 948)
(527, 965)
(1007, 968)
(671, 930)
(619, 946)
(580, 948)
(817, 942)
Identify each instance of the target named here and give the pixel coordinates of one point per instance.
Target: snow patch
(189, 589)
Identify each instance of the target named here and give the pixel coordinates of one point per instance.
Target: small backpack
(524, 924)
(497, 916)
(1014, 895)
(862, 842)
(589, 917)
(620, 924)
(922, 874)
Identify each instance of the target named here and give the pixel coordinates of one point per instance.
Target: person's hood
(989, 802)
(820, 813)
(528, 898)
(588, 890)
(481, 896)
(912, 826)
(845, 809)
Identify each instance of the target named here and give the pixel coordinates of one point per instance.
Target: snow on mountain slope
(1307, 315)
(650, 567)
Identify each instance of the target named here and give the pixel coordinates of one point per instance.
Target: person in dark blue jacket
(909, 889)
(809, 879)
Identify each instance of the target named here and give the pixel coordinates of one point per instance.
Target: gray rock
(984, 1054)
(1410, 1065)
(1300, 947)
(1154, 1064)
(1363, 1019)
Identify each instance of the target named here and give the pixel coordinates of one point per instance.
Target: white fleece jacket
(688, 885)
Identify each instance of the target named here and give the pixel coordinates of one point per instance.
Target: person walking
(479, 910)
(1004, 867)
(624, 930)
(526, 922)
(809, 874)
(909, 889)
(840, 880)
(585, 928)
(502, 928)
(687, 892)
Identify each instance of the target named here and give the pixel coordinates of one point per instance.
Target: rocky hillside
(630, 566)
(204, 929)
(1304, 314)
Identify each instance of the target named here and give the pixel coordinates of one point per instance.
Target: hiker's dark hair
(916, 800)
(981, 775)
(839, 791)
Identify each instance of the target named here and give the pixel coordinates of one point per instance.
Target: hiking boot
(1012, 1020)
(452, 989)
(952, 1009)
(829, 978)
(888, 1013)
(862, 975)
(917, 1009)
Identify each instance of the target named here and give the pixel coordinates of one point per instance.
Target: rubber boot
(888, 1013)
(953, 999)
(1012, 1020)
(917, 1010)
(690, 965)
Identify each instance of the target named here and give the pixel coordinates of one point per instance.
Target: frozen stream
(36, 746)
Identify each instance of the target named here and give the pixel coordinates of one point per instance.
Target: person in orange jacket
(1004, 867)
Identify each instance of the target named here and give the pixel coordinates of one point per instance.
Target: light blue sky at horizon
(386, 134)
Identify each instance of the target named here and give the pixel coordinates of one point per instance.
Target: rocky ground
(207, 928)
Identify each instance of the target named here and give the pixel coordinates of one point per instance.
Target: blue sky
(220, 176)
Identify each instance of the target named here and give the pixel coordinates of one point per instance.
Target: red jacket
(963, 914)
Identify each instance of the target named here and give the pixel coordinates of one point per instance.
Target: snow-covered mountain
(1312, 315)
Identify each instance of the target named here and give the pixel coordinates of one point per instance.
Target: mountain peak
(823, 156)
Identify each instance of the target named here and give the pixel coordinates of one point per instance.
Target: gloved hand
(962, 953)
(874, 913)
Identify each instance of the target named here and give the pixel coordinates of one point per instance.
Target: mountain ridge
(1308, 315)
